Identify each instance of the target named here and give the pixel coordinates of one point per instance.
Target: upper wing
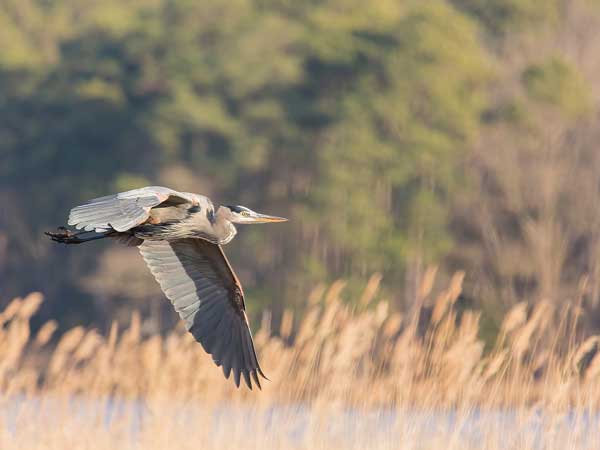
(123, 211)
(196, 276)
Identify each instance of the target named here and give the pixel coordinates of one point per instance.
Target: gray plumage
(180, 236)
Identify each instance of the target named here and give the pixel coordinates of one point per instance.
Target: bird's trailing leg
(66, 236)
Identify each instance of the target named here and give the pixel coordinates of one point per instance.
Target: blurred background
(395, 135)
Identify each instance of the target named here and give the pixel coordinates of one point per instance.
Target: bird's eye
(245, 213)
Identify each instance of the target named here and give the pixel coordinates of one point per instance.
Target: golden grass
(336, 358)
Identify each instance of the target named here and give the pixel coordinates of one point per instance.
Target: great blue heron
(180, 235)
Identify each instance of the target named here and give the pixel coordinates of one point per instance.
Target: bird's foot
(64, 236)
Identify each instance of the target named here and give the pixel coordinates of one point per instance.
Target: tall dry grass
(336, 358)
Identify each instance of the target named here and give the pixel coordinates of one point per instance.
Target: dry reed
(337, 357)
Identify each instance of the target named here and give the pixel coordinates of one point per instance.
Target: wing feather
(125, 210)
(220, 349)
(237, 356)
(196, 276)
(227, 351)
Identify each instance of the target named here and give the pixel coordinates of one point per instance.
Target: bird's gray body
(155, 213)
(180, 235)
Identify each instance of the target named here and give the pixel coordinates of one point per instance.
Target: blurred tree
(405, 115)
(289, 107)
(529, 228)
(506, 16)
(357, 120)
(557, 83)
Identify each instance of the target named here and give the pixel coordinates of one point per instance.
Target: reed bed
(378, 375)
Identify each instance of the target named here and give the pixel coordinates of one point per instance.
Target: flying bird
(180, 236)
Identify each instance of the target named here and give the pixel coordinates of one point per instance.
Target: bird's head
(243, 215)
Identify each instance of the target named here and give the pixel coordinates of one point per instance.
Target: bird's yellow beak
(263, 218)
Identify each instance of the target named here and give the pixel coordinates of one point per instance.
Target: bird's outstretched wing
(196, 276)
(125, 210)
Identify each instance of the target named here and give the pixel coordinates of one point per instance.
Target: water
(301, 427)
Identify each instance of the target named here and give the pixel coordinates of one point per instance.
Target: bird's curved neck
(224, 230)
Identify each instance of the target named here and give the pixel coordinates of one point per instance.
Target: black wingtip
(247, 379)
(256, 379)
(262, 374)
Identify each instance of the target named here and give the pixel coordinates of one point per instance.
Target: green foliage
(556, 82)
(352, 118)
(408, 111)
(506, 16)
